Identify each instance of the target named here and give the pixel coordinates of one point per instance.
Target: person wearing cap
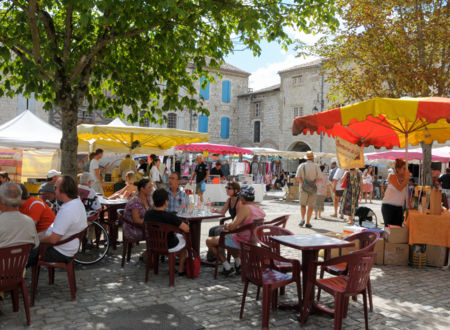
(47, 190)
(246, 214)
(42, 215)
(308, 173)
(88, 195)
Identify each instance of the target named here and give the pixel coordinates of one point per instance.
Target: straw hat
(309, 155)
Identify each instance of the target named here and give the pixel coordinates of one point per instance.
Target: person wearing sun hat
(246, 214)
(308, 174)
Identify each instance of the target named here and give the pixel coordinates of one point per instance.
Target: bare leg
(310, 211)
(336, 205)
(371, 194)
(303, 211)
(182, 261)
(213, 244)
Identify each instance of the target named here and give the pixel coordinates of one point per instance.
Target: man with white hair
(200, 174)
(88, 195)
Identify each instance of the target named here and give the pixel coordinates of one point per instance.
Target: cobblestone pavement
(404, 298)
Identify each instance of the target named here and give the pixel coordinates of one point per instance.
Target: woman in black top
(232, 204)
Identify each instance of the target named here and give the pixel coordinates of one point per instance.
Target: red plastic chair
(367, 241)
(258, 268)
(263, 233)
(127, 244)
(156, 240)
(250, 227)
(13, 260)
(68, 267)
(353, 283)
(279, 222)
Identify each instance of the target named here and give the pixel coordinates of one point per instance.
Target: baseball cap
(248, 192)
(52, 173)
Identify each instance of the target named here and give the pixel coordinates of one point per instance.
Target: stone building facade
(266, 115)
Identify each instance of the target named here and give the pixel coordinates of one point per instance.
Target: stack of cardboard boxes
(396, 248)
(293, 191)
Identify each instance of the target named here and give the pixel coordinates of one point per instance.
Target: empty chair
(343, 287)
(12, 264)
(258, 268)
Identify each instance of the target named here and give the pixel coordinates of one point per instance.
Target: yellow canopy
(137, 140)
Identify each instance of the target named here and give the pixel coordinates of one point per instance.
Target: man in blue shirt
(177, 197)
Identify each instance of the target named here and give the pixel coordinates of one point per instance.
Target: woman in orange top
(37, 210)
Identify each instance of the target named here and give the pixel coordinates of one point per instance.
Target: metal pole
(190, 119)
(321, 109)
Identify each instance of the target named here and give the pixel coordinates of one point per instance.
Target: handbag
(344, 183)
(309, 187)
(196, 262)
(203, 186)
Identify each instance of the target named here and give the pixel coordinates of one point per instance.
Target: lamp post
(315, 110)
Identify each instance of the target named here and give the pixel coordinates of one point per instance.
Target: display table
(428, 229)
(216, 193)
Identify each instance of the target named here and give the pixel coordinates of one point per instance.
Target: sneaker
(237, 270)
(308, 225)
(301, 223)
(229, 272)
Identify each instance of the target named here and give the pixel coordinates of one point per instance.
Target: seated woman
(246, 214)
(233, 202)
(136, 208)
(129, 190)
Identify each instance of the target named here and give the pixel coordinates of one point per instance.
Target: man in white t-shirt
(337, 189)
(309, 172)
(70, 220)
(94, 169)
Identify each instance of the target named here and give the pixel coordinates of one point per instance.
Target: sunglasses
(228, 188)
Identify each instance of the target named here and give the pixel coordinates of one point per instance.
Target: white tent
(27, 131)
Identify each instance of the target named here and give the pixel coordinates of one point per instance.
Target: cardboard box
(347, 250)
(379, 249)
(397, 235)
(334, 252)
(396, 254)
(436, 255)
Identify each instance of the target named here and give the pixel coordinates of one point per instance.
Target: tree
(388, 48)
(138, 54)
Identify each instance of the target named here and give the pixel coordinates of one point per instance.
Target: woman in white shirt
(396, 195)
(155, 174)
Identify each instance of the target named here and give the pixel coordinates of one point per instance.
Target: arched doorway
(299, 146)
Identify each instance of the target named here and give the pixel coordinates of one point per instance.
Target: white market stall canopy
(269, 152)
(27, 131)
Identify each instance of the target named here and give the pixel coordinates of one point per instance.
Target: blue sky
(273, 59)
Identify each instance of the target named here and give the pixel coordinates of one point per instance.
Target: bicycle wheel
(95, 245)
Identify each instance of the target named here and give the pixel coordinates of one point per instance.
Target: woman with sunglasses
(233, 203)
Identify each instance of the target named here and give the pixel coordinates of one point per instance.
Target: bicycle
(95, 243)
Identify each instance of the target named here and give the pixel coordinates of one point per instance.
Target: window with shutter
(203, 124)
(298, 112)
(226, 91)
(172, 120)
(225, 128)
(204, 92)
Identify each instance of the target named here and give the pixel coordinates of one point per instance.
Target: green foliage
(389, 48)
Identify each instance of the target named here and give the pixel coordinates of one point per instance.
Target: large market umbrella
(137, 140)
(383, 122)
(213, 148)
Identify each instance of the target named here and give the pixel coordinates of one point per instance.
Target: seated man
(15, 228)
(70, 220)
(88, 195)
(47, 190)
(246, 214)
(175, 242)
(177, 197)
(37, 210)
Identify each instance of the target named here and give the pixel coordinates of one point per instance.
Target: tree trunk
(426, 164)
(69, 141)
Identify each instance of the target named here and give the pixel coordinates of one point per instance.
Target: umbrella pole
(407, 183)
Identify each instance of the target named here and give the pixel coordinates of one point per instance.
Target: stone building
(266, 115)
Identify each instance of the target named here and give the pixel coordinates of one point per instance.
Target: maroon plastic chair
(250, 227)
(353, 283)
(13, 260)
(367, 241)
(156, 240)
(222, 220)
(127, 244)
(68, 267)
(258, 268)
(278, 222)
(263, 233)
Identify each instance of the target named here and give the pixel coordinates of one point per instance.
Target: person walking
(337, 189)
(308, 175)
(350, 197)
(94, 168)
(200, 174)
